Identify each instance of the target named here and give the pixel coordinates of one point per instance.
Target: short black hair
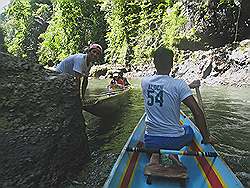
(163, 58)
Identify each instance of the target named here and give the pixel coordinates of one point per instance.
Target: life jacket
(120, 81)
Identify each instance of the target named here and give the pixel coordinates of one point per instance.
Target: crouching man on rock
(79, 65)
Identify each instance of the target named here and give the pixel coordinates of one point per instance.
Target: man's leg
(182, 141)
(154, 159)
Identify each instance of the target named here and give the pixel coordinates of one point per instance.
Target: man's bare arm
(78, 82)
(198, 117)
(84, 85)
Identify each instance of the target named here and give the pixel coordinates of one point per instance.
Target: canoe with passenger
(110, 102)
(205, 167)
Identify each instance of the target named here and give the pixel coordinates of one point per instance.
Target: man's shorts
(171, 143)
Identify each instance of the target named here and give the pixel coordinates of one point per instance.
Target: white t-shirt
(74, 63)
(162, 99)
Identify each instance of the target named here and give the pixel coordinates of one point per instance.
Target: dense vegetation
(47, 31)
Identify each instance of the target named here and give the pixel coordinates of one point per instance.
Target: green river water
(227, 110)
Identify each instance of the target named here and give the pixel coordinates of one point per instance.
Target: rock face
(217, 23)
(227, 65)
(42, 130)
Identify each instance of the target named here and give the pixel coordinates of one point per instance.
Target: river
(227, 111)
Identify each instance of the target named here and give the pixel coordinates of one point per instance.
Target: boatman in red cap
(78, 65)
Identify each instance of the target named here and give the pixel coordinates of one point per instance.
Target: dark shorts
(172, 143)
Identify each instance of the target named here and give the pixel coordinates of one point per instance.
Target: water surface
(227, 111)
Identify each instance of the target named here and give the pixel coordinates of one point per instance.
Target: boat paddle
(196, 85)
(198, 93)
(174, 152)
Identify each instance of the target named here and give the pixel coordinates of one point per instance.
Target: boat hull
(107, 105)
(203, 172)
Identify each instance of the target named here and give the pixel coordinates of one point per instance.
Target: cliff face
(227, 65)
(216, 23)
(42, 130)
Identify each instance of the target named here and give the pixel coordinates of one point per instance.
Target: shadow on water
(100, 130)
(227, 111)
(112, 132)
(106, 137)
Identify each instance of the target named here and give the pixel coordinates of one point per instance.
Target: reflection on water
(227, 112)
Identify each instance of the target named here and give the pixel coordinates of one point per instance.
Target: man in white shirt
(162, 99)
(78, 65)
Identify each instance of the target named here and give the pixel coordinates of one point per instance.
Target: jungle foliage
(129, 30)
(49, 30)
(138, 27)
(23, 22)
(74, 24)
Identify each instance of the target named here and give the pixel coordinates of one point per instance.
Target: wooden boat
(107, 104)
(128, 171)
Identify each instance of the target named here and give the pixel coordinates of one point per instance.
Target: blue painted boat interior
(196, 177)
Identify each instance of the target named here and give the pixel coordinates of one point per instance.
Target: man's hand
(205, 141)
(194, 84)
(210, 140)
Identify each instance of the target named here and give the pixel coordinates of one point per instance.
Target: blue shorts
(172, 143)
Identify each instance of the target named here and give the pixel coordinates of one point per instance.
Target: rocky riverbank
(42, 132)
(228, 65)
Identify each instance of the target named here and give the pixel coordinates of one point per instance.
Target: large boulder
(42, 130)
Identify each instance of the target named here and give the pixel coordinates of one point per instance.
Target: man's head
(96, 46)
(163, 60)
(95, 51)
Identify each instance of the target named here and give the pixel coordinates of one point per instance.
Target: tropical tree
(136, 28)
(74, 24)
(24, 21)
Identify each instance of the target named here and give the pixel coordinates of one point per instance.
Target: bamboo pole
(173, 152)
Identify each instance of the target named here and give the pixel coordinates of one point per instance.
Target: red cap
(96, 46)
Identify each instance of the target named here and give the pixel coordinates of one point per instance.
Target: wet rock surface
(42, 130)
